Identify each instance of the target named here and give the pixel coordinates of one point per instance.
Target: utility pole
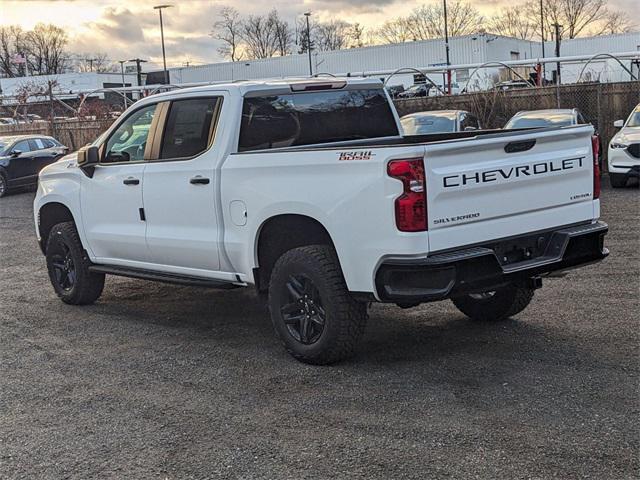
(446, 45)
(542, 37)
(124, 94)
(308, 14)
(138, 61)
(51, 109)
(164, 57)
(558, 27)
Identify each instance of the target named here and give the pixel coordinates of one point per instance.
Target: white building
(64, 86)
(469, 49)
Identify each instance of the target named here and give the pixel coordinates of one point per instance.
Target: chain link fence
(600, 103)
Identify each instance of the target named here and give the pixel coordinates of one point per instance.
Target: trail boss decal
(542, 168)
(356, 155)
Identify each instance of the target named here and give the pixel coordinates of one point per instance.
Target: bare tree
(11, 42)
(578, 17)
(511, 22)
(45, 46)
(266, 36)
(617, 22)
(93, 62)
(305, 39)
(396, 30)
(228, 29)
(283, 33)
(427, 22)
(356, 35)
(332, 35)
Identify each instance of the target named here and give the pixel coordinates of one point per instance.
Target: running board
(163, 277)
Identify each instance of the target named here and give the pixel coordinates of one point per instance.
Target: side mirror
(618, 123)
(16, 153)
(88, 158)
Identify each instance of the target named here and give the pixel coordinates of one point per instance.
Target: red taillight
(595, 146)
(411, 206)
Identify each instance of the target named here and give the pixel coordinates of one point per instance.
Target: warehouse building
(66, 86)
(469, 49)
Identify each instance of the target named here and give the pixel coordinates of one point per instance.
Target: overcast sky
(125, 29)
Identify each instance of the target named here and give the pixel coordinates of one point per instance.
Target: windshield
(3, 145)
(425, 124)
(538, 120)
(634, 118)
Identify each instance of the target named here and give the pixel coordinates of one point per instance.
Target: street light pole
(164, 57)
(308, 14)
(446, 45)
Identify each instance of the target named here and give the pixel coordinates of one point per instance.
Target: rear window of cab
(317, 117)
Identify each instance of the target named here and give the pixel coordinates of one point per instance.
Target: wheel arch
(281, 233)
(50, 214)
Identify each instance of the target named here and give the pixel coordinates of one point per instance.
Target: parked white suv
(624, 150)
(306, 190)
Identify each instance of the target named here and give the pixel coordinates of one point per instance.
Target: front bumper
(515, 260)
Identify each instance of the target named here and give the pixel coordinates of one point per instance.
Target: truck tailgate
(498, 186)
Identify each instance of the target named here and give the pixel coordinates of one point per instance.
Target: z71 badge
(356, 155)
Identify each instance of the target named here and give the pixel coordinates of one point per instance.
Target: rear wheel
(68, 267)
(494, 305)
(312, 311)
(618, 180)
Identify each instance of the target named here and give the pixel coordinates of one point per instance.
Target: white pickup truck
(306, 190)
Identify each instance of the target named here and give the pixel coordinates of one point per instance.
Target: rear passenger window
(48, 143)
(39, 144)
(190, 127)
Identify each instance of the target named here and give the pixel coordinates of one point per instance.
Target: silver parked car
(439, 121)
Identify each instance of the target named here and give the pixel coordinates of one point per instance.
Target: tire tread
(351, 315)
(89, 285)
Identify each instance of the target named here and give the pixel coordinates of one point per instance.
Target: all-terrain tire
(68, 266)
(505, 302)
(344, 318)
(618, 180)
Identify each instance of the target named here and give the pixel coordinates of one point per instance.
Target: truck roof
(244, 87)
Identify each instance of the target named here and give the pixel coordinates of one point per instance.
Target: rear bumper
(516, 260)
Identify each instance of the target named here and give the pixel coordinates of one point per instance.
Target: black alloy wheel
(64, 268)
(68, 266)
(302, 309)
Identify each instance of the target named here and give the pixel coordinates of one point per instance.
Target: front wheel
(68, 267)
(3, 185)
(494, 305)
(312, 311)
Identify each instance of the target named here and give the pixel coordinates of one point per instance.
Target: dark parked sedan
(23, 156)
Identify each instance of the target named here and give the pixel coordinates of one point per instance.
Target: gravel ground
(159, 381)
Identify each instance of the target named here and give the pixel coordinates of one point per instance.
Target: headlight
(619, 145)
